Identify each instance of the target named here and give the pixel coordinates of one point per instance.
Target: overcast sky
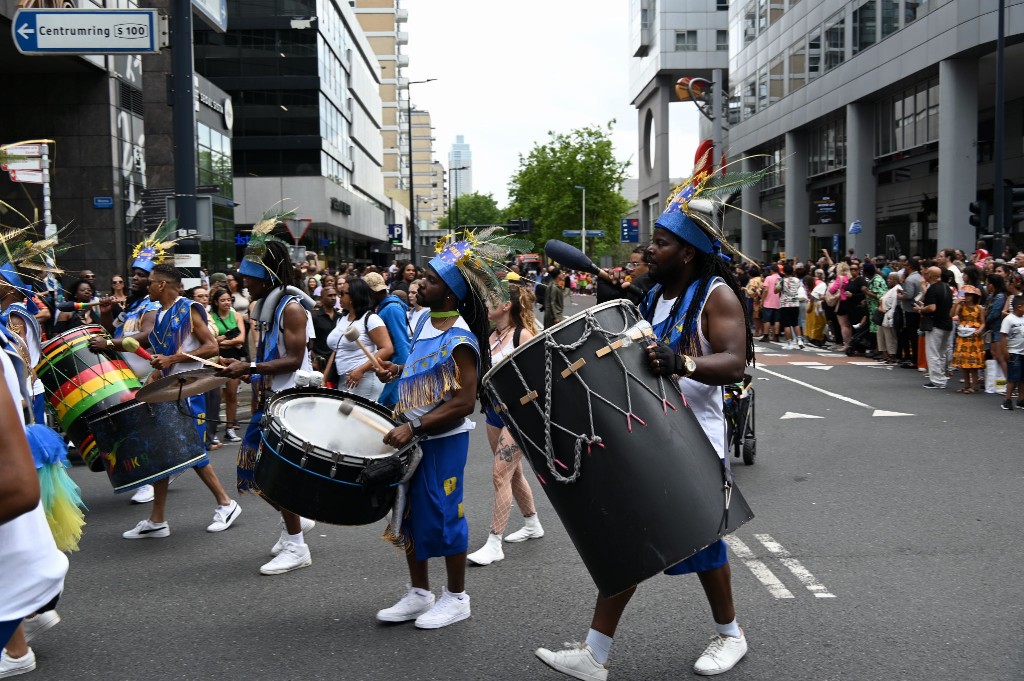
(509, 72)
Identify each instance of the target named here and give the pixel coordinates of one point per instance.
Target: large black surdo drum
(617, 450)
(311, 456)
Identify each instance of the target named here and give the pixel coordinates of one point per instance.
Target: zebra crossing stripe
(798, 570)
(760, 570)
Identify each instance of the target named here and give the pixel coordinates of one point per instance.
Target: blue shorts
(1014, 368)
(436, 525)
(197, 407)
(492, 417)
(705, 560)
(769, 315)
(7, 630)
(39, 407)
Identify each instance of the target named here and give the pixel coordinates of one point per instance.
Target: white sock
(600, 645)
(730, 629)
(297, 538)
(461, 595)
(421, 592)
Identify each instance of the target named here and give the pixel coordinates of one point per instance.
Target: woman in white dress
(355, 370)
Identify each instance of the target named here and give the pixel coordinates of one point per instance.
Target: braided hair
(474, 311)
(708, 266)
(279, 263)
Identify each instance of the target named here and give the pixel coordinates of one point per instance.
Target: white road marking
(807, 364)
(801, 573)
(760, 570)
(821, 368)
(794, 415)
(773, 354)
(881, 412)
(844, 398)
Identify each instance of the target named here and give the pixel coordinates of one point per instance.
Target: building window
(762, 89)
(908, 119)
(835, 41)
(722, 41)
(814, 54)
(722, 5)
(686, 41)
(776, 79)
(775, 162)
(865, 26)
(749, 24)
(797, 66)
(827, 147)
(749, 98)
(890, 17)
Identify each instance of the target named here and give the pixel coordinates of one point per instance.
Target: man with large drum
(704, 340)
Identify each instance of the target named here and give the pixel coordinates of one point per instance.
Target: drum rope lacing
(591, 324)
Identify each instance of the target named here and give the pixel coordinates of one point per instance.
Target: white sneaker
(787, 346)
(143, 495)
(307, 525)
(12, 666)
(490, 553)
(576, 661)
(411, 606)
(449, 609)
(292, 557)
(531, 529)
(721, 655)
(231, 436)
(33, 626)
(801, 345)
(148, 530)
(223, 516)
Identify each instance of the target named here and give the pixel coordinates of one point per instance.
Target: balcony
(403, 60)
(402, 37)
(401, 15)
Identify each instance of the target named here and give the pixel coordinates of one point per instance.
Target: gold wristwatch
(688, 365)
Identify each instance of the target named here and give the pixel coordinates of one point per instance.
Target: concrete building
(306, 90)
(460, 160)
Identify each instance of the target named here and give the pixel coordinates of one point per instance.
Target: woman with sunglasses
(118, 294)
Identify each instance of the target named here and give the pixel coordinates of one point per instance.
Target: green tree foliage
(474, 209)
(543, 188)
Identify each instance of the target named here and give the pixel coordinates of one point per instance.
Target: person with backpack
(394, 313)
(514, 324)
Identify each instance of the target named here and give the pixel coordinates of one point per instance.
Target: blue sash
(129, 322)
(171, 330)
(673, 330)
(430, 372)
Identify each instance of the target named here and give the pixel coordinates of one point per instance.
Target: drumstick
(348, 409)
(207, 362)
(352, 334)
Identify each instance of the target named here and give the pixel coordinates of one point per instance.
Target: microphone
(131, 345)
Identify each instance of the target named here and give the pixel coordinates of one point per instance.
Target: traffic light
(1013, 197)
(520, 226)
(979, 215)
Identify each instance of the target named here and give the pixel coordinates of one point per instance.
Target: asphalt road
(885, 547)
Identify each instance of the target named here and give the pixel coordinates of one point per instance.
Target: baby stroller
(738, 405)
(861, 342)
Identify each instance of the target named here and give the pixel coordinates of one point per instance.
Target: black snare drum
(311, 456)
(620, 455)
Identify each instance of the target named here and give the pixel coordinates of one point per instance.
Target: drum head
(316, 419)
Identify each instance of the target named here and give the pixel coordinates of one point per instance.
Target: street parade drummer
(705, 340)
(437, 391)
(286, 328)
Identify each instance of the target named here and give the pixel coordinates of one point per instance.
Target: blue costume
(169, 333)
(394, 313)
(27, 317)
(129, 322)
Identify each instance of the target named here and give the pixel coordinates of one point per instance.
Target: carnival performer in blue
(181, 328)
(285, 328)
(18, 313)
(437, 391)
(138, 317)
(705, 341)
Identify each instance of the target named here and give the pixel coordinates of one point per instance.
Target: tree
(474, 209)
(543, 188)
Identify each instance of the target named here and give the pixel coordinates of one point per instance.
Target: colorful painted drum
(141, 443)
(81, 383)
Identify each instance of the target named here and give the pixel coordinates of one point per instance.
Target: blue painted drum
(140, 442)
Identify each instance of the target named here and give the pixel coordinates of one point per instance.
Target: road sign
(855, 227)
(835, 243)
(23, 164)
(103, 202)
(395, 232)
(88, 31)
(214, 12)
(30, 176)
(596, 233)
(24, 150)
(630, 231)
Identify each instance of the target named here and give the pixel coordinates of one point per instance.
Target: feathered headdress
(154, 249)
(470, 262)
(689, 207)
(252, 263)
(38, 257)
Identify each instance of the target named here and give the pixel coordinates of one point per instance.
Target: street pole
(186, 258)
(412, 188)
(583, 232)
(1000, 134)
(451, 180)
(716, 129)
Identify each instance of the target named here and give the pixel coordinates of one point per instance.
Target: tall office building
(460, 163)
(305, 87)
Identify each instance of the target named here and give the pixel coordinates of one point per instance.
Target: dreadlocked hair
(708, 266)
(474, 311)
(279, 262)
(521, 312)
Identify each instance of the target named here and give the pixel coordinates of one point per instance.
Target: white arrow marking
(882, 412)
(24, 31)
(770, 354)
(794, 415)
(844, 398)
(801, 573)
(821, 368)
(760, 570)
(807, 364)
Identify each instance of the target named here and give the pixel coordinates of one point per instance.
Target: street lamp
(583, 233)
(450, 180)
(412, 189)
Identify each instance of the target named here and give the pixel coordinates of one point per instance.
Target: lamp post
(450, 180)
(583, 233)
(412, 189)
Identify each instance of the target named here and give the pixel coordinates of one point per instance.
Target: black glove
(662, 359)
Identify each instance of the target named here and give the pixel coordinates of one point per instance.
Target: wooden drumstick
(348, 409)
(352, 334)
(207, 362)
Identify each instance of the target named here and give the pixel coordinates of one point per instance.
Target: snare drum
(620, 455)
(311, 455)
(81, 383)
(142, 442)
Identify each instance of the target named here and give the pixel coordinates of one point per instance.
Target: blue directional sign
(630, 231)
(395, 232)
(835, 243)
(595, 233)
(88, 31)
(855, 227)
(103, 202)
(213, 12)
(571, 233)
